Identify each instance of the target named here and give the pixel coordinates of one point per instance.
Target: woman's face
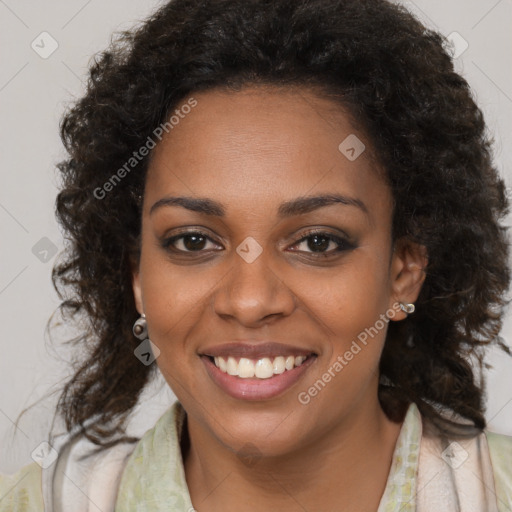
(250, 259)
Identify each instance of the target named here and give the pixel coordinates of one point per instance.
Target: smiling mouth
(262, 368)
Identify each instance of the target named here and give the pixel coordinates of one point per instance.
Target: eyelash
(343, 244)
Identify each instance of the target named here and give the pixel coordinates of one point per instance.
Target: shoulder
(22, 491)
(500, 451)
(473, 467)
(154, 473)
(167, 428)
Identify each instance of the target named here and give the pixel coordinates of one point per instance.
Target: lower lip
(253, 388)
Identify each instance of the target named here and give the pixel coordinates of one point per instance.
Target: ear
(407, 274)
(137, 288)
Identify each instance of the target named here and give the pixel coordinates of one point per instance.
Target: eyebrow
(298, 206)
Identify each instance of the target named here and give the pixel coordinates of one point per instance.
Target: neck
(347, 465)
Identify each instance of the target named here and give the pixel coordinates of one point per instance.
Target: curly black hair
(396, 79)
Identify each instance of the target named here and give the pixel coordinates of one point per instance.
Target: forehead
(262, 143)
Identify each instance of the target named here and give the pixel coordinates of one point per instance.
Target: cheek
(353, 297)
(351, 308)
(175, 301)
(175, 298)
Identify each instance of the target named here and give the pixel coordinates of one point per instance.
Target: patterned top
(426, 474)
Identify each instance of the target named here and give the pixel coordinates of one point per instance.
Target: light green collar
(154, 477)
(400, 492)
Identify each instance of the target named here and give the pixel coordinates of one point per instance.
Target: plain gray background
(33, 94)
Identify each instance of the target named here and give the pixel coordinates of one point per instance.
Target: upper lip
(255, 350)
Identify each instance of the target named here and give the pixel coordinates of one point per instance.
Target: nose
(253, 293)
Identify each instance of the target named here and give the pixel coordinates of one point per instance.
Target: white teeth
(245, 368)
(231, 366)
(222, 364)
(279, 365)
(263, 368)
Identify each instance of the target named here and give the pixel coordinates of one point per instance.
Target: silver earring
(407, 308)
(140, 328)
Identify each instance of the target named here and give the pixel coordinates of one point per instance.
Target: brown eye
(322, 244)
(193, 241)
(318, 243)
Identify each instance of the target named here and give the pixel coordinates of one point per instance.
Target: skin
(251, 151)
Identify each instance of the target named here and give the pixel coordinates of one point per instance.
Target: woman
(290, 210)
